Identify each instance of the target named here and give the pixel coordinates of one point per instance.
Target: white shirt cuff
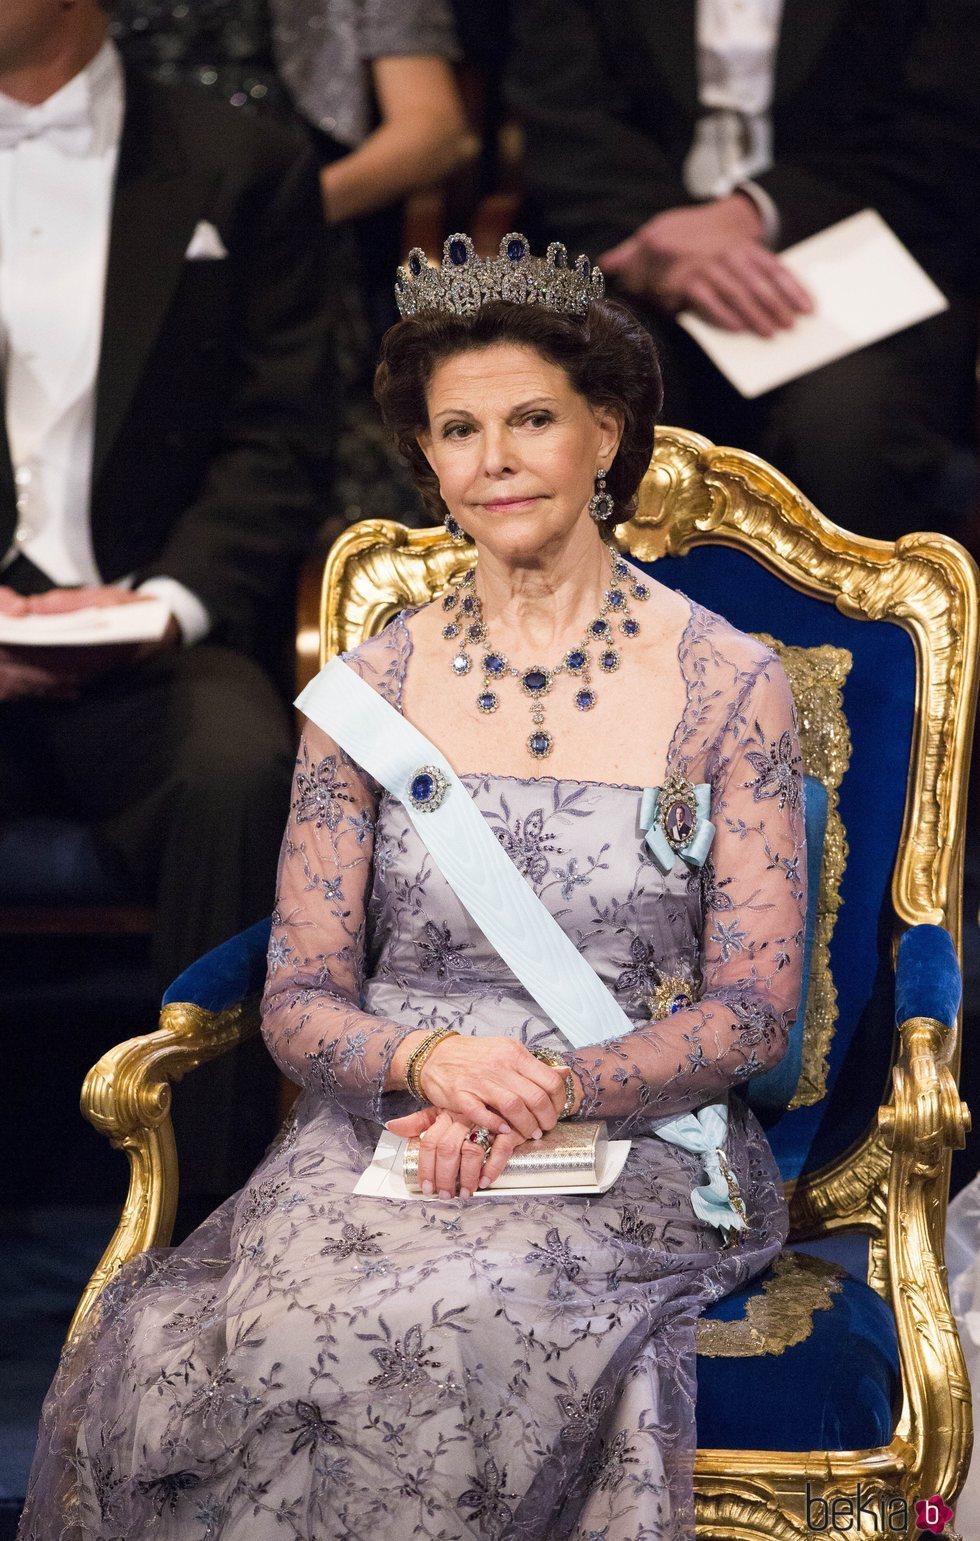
(768, 212)
(190, 614)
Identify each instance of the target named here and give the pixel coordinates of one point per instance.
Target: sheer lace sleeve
(754, 893)
(312, 1019)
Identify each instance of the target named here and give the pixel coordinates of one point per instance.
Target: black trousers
(883, 441)
(182, 766)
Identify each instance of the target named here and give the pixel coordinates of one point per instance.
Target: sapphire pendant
(536, 682)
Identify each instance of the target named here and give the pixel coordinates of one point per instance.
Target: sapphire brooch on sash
(427, 789)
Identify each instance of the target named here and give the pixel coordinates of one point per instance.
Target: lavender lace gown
(311, 1366)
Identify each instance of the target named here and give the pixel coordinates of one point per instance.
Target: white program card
(383, 1178)
(143, 620)
(864, 284)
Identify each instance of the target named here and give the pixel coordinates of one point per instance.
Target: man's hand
(21, 676)
(63, 601)
(63, 672)
(710, 258)
(94, 597)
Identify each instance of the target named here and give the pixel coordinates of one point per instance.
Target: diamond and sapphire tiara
(465, 281)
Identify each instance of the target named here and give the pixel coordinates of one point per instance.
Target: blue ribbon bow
(695, 850)
(717, 1201)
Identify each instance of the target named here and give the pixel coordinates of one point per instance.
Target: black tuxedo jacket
(876, 104)
(214, 405)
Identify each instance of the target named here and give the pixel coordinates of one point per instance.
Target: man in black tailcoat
(684, 143)
(166, 426)
(187, 378)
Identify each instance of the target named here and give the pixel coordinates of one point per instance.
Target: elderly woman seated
(607, 776)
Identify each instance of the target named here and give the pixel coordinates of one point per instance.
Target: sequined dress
(310, 1366)
(224, 46)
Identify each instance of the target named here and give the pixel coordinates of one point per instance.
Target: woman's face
(515, 448)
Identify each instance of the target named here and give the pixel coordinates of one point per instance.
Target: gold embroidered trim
(781, 1316)
(817, 676)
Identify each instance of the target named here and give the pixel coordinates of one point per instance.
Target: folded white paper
(143, 620)
(383, 1178)
(864, 284)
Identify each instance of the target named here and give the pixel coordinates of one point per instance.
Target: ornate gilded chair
(831, 1398)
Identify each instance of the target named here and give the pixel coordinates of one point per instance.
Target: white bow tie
(64, 123)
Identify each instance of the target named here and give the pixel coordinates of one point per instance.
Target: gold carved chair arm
(924, 1121)
(126, 1096)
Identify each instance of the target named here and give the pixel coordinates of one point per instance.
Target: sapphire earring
(601, 505)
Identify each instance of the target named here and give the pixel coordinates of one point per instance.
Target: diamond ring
(482, 1137)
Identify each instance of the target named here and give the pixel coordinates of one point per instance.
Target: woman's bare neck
(547, 606)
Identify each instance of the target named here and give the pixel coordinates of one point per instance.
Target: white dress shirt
(57, 174)
(736, 52)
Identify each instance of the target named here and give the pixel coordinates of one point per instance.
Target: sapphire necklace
(465, 624)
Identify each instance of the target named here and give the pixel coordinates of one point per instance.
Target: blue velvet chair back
(879, 701)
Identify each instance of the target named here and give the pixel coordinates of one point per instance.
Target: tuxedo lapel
(670, 26)
(804, 30)
(156, 206)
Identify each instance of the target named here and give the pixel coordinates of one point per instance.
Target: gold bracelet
(418, 1057)
(552, 1057)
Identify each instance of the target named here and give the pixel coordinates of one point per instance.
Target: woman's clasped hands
(491, 1084)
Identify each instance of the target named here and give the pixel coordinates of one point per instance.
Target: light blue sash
(506, 909)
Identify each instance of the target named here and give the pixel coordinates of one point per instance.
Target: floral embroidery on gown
(311, 1366)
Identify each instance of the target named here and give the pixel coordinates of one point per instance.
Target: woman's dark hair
(608, 357)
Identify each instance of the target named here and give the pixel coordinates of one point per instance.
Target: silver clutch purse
(572, 1155)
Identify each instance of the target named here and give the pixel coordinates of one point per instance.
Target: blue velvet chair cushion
(225, 975)
(769, 1093)
(57, 862)
(927, 976)
(837, 1390)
